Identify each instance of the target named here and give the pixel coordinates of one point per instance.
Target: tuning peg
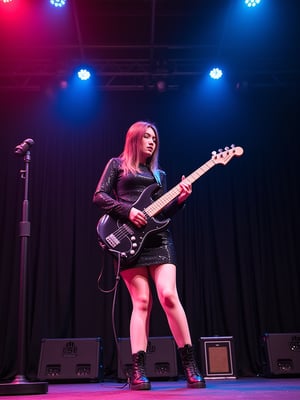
(214, 153)
(220, 150)
(226, 148)
(232, 146)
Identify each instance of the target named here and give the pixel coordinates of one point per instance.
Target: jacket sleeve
(105, 195)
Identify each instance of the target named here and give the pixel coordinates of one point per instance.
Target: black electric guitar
(124, 239)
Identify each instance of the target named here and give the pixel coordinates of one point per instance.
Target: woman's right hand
(137, 217)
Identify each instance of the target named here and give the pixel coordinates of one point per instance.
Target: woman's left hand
(186, 190)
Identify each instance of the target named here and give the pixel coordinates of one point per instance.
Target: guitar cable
(114, 289)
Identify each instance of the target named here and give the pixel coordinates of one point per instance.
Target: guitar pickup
(112, 240)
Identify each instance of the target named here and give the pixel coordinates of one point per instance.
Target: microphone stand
(20, 385)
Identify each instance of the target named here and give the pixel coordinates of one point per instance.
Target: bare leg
(137, 282)
(164, 277)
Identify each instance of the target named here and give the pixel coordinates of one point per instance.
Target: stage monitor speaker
(217, 357)
(161, 358)
(71, 359)
(281, 354)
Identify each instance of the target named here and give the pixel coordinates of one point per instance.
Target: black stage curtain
(236, 239)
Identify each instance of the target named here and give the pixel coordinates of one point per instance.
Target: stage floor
(241, 389)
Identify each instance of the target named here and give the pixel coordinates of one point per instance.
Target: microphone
(22, 148)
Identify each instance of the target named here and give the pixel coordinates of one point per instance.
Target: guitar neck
(158, 205)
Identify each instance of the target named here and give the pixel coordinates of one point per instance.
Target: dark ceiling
(131, 44)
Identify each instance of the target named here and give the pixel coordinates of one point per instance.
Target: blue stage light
(84, 74)
(58, 3)
(252, 3)
(216, 73)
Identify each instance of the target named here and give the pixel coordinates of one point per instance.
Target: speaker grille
(217, 357)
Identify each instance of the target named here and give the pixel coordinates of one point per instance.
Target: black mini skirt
(158, 248)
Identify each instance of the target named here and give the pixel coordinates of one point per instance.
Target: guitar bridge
(112, 240)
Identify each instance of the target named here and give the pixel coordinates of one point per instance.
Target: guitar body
(123, 237)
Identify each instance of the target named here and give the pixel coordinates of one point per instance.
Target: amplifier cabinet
(71, 359)
(281, 354)
(161, 358)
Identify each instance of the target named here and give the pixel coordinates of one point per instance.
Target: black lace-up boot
(139, 381)
(191, 371)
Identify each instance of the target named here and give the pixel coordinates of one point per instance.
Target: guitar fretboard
(154, 208)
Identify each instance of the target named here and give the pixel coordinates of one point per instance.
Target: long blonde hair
(130, 154)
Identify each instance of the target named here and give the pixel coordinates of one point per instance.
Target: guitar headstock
(224, 156)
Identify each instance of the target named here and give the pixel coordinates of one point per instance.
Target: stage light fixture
(58, 3)
(216, 73)
(84, 74)
(6, 1)
(252, 3)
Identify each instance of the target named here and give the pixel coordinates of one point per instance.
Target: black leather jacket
(116, 193)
